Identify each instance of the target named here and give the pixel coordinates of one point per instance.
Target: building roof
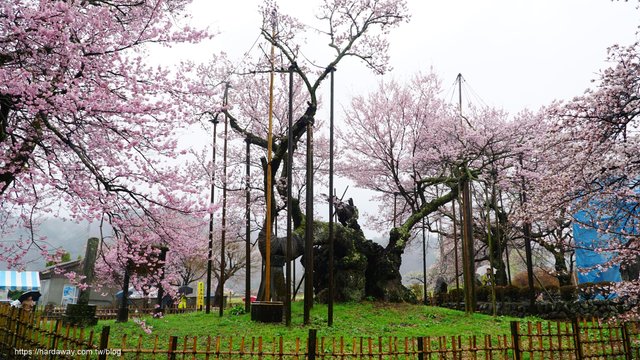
(73, 265)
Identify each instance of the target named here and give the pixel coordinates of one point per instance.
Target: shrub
(605, 289)
(587, 291)
(551, 292)
(541, 275)
(418, 290)
(237, 310)
(456, 295)
(500, 293)
(524, 293)
(511, 293)
(483, 293)
(600, 290)
(568, 293)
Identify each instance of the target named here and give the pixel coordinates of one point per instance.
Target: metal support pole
(395, 208)
(468, 247)
(247, 198)
(211, 201)
(526, 230)
(494, 203)
(506, 248)
(223, 235)
(288, 257)
(331, 217)
(308, 248)
(123, 310)
(455, 242)
(424, 264)
(492, 276)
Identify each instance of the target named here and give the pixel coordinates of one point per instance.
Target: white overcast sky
(514, 54)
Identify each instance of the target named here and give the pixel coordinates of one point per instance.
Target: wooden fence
(25, 335)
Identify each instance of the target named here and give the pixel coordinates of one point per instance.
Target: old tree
(402, 141)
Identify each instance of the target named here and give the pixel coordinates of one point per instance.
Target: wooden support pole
(173, 346)
(515, 336)
(269, 185)
(311, 344)
(576, 337)
(104, 343)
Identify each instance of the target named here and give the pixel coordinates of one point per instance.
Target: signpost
(200, 297)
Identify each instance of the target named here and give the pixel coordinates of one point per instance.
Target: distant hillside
(68, 235)
(73, 236)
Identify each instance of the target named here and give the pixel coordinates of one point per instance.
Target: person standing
(26, 304)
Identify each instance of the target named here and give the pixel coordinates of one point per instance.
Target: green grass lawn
(366, 319)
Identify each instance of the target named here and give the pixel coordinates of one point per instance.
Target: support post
(223, 235)
(268, 172)
(498, 242)
(626, 341)
(123, 310)
(492, 276)
(526, 230)
(395, 209)
(421, 341)
(211, 201)
(425, 301)
(173, 346)
(515, 338)
(576, 336)
(455, 242)
(468, 249)
(288, 257)
(56, 334)
(331, 217)
(308, 248)
(529, 258)
(506, 246)
(247, 279)
(104, 343)
(311, 344)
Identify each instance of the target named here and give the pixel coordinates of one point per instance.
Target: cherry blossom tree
(591, 163)
(185, 239)
(407, 144)
(87, 126)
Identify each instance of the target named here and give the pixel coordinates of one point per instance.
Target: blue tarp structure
(587, 238)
